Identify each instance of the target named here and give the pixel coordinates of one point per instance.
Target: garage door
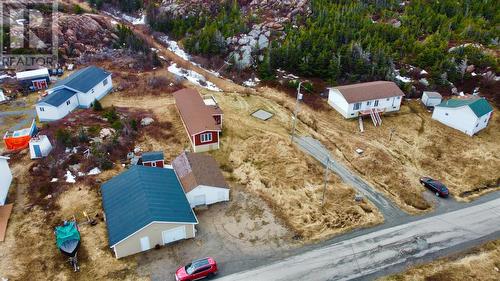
(174, 234)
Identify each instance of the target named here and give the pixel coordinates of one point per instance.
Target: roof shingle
(369, 91)
(84, 79)
(197, 117)
(194, 169)
(142, 195)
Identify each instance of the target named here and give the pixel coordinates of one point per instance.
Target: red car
(196, 270)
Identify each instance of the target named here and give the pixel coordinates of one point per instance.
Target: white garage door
(174, 234)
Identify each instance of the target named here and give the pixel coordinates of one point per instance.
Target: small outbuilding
(40, 147)
(34, 80)
(431, 99)
(152, 159)
(5, 179)
(469, 115)
(145, 207)
(201, 179)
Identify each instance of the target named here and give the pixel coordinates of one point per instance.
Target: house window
(105, 82)
(206, 137)
(446, 114)
(68, 102)
(398, 98)
(477, 125)
(92, 91)
(387, 99)
(41, 109)
(153, 164)
(357, 106)
(376, 103)
(368, 103)
(485, 120)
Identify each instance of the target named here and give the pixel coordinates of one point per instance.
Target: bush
(97, 106)
(82, 135)
(117, 125)
(78, 10)
(134, 125)
(63, 137)
(111, 115)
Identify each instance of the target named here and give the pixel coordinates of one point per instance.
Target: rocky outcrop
(84, 33)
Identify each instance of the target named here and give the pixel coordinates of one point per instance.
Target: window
(398, 98)
(153, 164)
(92, 91)
(477, 125)
(105, 82)
(68, 102)
(41, 109)
(387, 99)
(357, 106)
(446, 113)
(368, 103)
(376, 103)
(206, 137)
(485, 120)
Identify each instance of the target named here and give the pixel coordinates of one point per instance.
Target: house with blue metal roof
(145, 207)
(469, 114)
(79, 90)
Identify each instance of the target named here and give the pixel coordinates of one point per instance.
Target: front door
(145, 243)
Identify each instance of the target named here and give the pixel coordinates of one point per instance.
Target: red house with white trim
(202, 119)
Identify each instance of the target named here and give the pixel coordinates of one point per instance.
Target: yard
(419, 146)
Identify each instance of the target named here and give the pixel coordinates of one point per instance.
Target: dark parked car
(435, 186)
(196, 270)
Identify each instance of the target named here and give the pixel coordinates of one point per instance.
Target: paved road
(386, 249)
(314, 148)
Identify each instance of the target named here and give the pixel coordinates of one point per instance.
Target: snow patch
(403, 79)
(94, 172)
(69, 177)
(174, 47)
(54, 180)
(193, 77)
(251, 82)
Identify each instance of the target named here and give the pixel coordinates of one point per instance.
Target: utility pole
(326, 180)
(296, 111)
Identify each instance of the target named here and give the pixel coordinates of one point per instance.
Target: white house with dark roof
(79, 90)
(5, 179)
(201, 179)
(361, 99)
(469, 115)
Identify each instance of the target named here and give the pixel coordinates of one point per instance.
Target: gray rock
(147, 121)
(263, 42)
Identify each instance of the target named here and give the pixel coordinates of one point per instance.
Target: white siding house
(80, 90)
(5, 179)
(469, 115)
(359, 99)
(201, 179)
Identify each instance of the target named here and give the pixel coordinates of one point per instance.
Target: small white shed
(5, 179)
(431, 99)
(40, 147)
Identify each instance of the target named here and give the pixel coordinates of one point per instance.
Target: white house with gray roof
(469, 115)
(79, 90)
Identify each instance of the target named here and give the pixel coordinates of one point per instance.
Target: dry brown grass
(420, 146)
(482, 263)
(261, 158)
(29, 251)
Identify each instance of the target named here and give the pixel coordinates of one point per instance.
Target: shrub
(134, 124)
(97, 106)
(78, 10)
(117, 125)
(63, 137)
(82, 135)
(111, 115)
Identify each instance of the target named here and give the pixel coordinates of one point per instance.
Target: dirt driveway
(237, 234)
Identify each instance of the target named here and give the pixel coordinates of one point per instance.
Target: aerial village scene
(250, 140)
